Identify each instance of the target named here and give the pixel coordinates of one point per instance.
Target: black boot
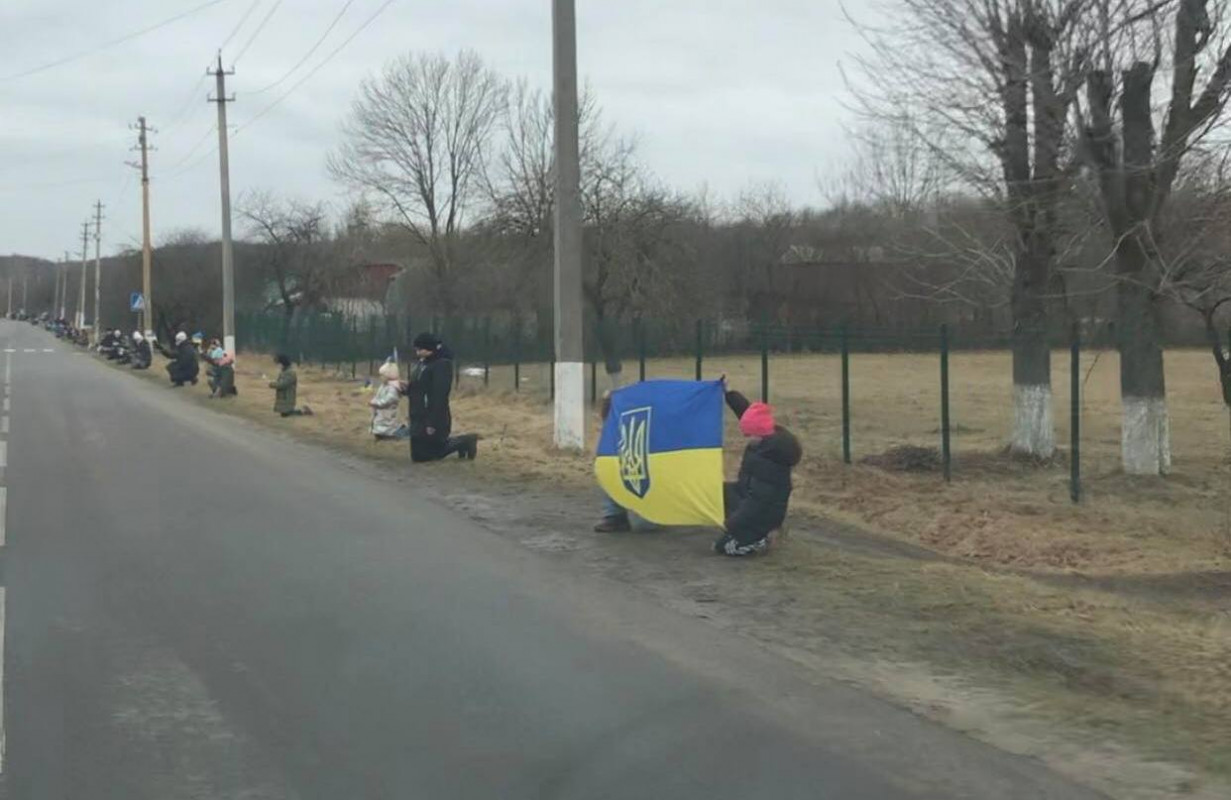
(468, 447)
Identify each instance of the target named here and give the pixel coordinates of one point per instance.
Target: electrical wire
(239, 25)
(318, 67)
(112, 43)
(189, 168)
(256, 33)
(188, 105)
(311, 51)
(192, 150)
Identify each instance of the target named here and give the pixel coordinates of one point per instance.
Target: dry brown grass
(1111, 614)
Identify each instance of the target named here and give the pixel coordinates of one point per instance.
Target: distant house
(362, 292)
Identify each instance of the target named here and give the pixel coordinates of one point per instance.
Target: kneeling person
(756, 503)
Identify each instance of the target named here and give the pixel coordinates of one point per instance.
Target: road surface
(195, 608)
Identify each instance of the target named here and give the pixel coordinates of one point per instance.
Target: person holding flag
(660, 458)
(756, 503)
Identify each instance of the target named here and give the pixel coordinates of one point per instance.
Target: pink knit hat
(758, 420)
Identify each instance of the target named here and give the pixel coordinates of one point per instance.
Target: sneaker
(308, 412)
(613, 525)
(728, 546)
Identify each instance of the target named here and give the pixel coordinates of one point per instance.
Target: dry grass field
(1112, 616)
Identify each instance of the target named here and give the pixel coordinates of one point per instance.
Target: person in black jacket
(756, 503)
(142, 356)
(184, 366)
(431, 421)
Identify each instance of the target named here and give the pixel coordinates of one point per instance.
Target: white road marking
(4, 507)
(48, 350)
(4, 454)
(29, 350)
(2, 603)
(7, 404)
(10, 349)
(4, 426)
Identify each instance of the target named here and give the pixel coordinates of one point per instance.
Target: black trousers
(434, 448)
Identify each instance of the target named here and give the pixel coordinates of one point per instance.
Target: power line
(192, 150)
(112, 43)
(256, 33)
(239, 24)
(310, 52)
(318, 67)
(189, 104)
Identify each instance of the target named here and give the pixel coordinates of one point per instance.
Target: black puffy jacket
(757, 503)
(430, 383)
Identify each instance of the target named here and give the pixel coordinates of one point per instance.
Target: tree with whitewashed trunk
(1145, 46)
(999, 77)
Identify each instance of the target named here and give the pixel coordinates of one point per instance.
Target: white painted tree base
(1034, 430)
(570, 411)
(1145, 436)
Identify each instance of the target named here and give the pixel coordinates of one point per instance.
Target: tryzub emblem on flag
(660, 454)
(635, 450)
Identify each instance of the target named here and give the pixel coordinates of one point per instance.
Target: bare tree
(416, 141)
(893, 168)
(297, 258)
(999, 78)
(1144, 44)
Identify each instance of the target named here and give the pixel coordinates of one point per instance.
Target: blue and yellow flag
(660, 455)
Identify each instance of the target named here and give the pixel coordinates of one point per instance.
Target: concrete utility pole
(85, 256)
(570, 411)
(147, 316)
(98, 267)
(224, 166)
(25, 289)
(10, 295)
(68, 257)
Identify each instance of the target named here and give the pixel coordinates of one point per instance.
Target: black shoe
(613, 525)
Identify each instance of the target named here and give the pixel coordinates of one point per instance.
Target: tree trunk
(1034, 432)
(1145, 432)
(1145, 437)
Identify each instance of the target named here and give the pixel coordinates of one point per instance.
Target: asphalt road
(196, 608)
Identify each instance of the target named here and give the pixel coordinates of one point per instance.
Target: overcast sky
(720, 93)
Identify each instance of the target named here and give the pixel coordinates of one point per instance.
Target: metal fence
(857, 393)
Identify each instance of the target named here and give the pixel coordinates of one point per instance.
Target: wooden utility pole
(79, 322)
(228, 262)
(98, 267)
(570, 421)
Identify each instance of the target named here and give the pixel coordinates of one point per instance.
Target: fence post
(1075, 415)
(846, 395)
(372, 345)
(764, 362)
(700, 346)
(946, 453)
(487, 351)
(517, 356)
(640, 350)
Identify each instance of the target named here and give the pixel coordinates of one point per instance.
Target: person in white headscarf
(184, 366)
(385, 422)
(142, 356)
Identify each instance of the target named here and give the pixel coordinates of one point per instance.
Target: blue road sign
(136, 302)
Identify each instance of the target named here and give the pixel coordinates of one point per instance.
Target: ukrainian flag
(660, 455)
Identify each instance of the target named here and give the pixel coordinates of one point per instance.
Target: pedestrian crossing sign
(136, 302)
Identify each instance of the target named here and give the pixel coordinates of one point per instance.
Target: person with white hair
(386, 426)
(184, 366)
(142, 356)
